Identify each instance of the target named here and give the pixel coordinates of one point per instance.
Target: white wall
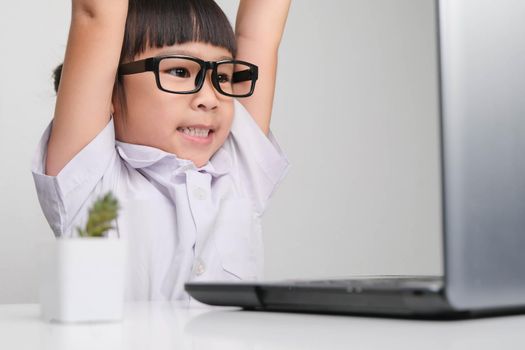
(33, 38)
(355, 110)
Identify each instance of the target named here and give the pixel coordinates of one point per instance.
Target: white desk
(172, 326)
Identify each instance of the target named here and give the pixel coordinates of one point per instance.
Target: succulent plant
(101, 214)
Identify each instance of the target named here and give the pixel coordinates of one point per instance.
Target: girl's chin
(199, 162)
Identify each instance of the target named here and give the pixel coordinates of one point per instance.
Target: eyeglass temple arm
(244, 75)
(136, 67)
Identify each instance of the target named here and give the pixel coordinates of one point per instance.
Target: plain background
(355, 111)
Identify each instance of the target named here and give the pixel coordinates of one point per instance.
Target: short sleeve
(258, 159)
(62, 196)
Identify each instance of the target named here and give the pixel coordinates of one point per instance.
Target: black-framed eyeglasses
(179, 74)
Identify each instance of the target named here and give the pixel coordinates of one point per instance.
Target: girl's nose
(207, 97)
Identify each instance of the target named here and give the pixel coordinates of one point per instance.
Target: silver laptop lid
(482, 55)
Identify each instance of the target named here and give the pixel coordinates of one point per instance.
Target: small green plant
(104, 210)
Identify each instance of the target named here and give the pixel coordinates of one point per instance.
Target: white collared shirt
(182, 223)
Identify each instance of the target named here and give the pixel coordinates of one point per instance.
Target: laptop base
(399, 301)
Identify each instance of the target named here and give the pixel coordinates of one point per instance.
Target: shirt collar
(142, 156)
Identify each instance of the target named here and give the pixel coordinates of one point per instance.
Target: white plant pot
(82, 279)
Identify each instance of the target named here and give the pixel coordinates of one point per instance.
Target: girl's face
(157, 118)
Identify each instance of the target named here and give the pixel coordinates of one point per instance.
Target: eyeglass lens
(184, 75)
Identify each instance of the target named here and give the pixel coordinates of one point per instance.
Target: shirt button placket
(200, 193)
(198, 186)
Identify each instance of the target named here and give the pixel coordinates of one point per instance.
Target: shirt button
(199, 193)
(199, 268)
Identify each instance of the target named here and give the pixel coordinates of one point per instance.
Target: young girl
(162, 104)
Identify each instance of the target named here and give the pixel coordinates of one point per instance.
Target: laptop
(481, 69)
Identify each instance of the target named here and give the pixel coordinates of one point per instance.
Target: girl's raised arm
(83, 102)
(259, 28)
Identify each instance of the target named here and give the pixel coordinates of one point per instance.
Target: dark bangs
(158, 23)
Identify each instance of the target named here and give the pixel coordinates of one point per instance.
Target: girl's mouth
(196, 135)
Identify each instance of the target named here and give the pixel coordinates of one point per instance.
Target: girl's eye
(179, 72)
(223, 78)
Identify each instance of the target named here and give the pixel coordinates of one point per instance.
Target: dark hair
(56, 76)
(158, 23)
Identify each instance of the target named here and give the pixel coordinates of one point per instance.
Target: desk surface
(164, 325)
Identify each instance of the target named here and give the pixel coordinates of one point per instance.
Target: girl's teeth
(196, 132)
